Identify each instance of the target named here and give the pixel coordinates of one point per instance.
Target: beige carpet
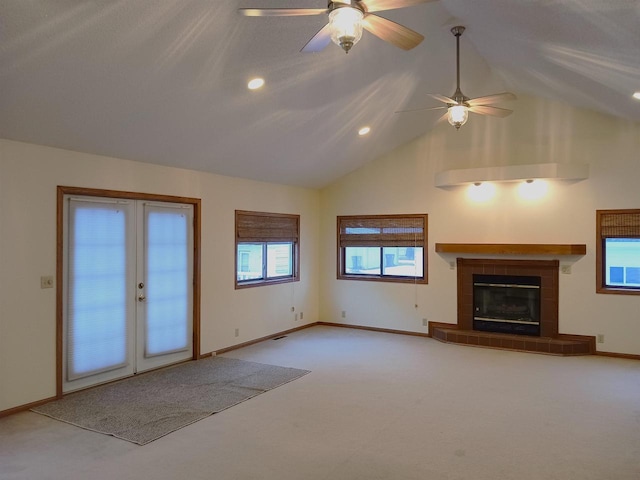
(376, 407)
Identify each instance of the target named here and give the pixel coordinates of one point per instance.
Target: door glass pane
(249, 261)
(167, 278)
(362, 260)
(403, 261)
(279, 260)
(97, 310)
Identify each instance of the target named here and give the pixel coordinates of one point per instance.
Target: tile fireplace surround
(549, 341)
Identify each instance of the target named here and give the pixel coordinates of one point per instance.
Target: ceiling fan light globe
(458, 115)
(345, 24)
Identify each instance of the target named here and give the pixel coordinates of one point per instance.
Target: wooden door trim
(93, 192)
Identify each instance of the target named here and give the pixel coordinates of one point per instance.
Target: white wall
(29, 175)
(538, 132)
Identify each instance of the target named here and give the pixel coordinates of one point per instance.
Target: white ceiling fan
(347, 18)
(459, 105)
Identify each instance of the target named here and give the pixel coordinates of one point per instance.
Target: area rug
(148, 406)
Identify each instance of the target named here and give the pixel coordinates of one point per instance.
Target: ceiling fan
(459, 105)
(347, 18)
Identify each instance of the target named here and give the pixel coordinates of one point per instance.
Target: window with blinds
(267, 248)
(386, 248)
(618, 251)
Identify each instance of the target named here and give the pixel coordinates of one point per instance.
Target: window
(267, 248)
(388, 248)
(618, 251)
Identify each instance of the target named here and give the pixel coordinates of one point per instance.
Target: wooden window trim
(340, 256)
(261, 236)
(600, 253)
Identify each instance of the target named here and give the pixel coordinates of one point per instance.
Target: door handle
(141, 298)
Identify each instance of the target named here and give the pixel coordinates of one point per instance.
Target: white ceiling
(164, 81)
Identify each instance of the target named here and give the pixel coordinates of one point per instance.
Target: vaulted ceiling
(164, 81)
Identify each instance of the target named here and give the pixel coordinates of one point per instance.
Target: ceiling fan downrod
(458, 96)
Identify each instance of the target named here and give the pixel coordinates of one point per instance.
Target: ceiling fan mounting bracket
(458, 30)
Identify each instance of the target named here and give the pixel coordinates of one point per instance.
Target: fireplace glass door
(507, 304)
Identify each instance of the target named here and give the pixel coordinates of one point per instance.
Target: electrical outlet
(566, 269)
(295, 317)
(344, 314)
(301, 315)
(237, 332)
(425, 322)
(600, 338)
(46, 281)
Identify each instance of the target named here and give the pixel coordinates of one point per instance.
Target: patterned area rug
(146, 407)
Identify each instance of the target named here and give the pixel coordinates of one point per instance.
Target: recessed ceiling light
(255, 83)
(636, 95)
(364, 131)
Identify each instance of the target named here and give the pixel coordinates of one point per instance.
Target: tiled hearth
(549, 341)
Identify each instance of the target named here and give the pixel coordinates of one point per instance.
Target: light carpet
(146, 407)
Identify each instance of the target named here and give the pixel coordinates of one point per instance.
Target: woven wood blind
(381, 231)
(266, 227)
(620, 224)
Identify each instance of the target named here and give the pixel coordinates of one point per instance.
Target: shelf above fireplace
(512, 248)
(513, 173)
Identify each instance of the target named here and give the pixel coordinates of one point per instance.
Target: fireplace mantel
(512, 248)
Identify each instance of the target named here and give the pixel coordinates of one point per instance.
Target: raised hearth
(563, 345)
(546, 340)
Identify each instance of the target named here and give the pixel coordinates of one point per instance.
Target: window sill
(421, 281)
(261, 283)
(618, 291)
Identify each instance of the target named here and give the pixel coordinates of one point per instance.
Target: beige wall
(29, 175)
(401, 182)
(538, 132)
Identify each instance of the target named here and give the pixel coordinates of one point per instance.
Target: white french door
(164, 296)
(128, 283)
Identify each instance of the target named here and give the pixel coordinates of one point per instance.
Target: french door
(127, 295)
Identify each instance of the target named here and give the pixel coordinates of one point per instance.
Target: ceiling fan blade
(280, 12)
(443, 117)
(493, 111)
(491, 99)
(379, 5)
(319, 41)
(420, 109)
(442, 98)
(392, 32)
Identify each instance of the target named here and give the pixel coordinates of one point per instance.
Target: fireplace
(510, 304)
(506, 304)
(504, 298)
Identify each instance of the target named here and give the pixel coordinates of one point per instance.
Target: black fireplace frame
(520, 315)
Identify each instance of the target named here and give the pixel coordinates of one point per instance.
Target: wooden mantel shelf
(512, 248)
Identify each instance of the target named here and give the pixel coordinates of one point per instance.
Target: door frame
(93, 192)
